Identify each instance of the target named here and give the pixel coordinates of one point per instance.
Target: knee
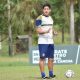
(50, 59)
(41, 61)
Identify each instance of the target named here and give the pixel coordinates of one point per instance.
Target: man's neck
(45, 15)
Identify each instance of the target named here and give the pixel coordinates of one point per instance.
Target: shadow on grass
(39, 78)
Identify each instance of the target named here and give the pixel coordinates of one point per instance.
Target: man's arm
(41, 31)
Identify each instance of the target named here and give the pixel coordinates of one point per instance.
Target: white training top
(45, 23)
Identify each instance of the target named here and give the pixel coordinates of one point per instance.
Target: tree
(77, 21)
(22, 18)
(72, 33)
(2, 19)
(9, 30)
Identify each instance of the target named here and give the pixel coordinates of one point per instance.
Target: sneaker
(45, 77)
(52, 76)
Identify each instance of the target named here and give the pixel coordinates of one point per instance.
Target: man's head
(46, 9)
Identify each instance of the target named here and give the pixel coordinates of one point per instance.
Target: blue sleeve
(38, 22)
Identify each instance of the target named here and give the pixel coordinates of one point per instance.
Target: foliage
(24, 13)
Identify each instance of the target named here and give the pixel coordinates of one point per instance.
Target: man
(44, 25)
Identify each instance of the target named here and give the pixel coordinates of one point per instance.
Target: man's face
(46, 11)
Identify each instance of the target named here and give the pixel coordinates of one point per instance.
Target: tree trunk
(0, 42)
(9, 30)
(79, 22)
(62, 34)
(72, 21)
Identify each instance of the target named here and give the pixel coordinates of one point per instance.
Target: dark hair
(47, 4)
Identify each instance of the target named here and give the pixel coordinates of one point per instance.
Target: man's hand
(55, 33)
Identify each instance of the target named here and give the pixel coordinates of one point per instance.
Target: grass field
(19, 68)
(32, 72)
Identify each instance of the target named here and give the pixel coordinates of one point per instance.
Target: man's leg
(50, 55)
(50, 66)
(42, 51)
(41, 65)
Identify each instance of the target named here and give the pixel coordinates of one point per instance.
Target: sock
(50, 73)
(43, 74)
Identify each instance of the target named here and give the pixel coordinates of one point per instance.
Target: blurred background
(17, 18)
(17, 27)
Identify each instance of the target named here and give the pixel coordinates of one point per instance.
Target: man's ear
(50, 10)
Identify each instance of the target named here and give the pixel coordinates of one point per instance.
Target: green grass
(33, 73)
(16, 60)
(19, 68)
